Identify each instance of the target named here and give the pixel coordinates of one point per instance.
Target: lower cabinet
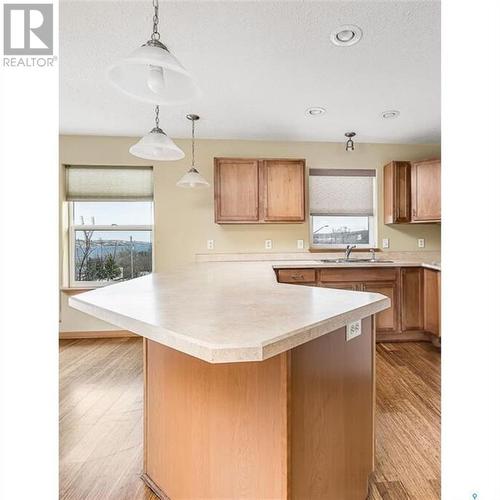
(387, 321)
(432, 301)
(414, 292)
(412, 314)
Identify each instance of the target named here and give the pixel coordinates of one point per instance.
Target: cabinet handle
(414, 212)
(297, 276)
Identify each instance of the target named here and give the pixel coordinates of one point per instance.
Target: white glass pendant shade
(152, 74)
(157, 146)
(192, 179)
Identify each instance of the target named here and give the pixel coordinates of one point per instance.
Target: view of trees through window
(106, 252)
(104, 256)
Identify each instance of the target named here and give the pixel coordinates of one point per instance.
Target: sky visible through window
(113, 212)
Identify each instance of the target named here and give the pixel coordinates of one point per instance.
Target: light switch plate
(353, 330)
(421, 243)
(385, 243)
(210, 244)
(300, 244)
(269, 244)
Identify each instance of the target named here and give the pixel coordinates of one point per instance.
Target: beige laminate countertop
(305, 264)
(226, 311)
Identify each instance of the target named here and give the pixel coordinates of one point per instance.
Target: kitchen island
(252, 390)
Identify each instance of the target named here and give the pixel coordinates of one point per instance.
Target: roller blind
(341, 192)
(108, 183)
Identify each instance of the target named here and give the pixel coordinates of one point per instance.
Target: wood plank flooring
(101, 421)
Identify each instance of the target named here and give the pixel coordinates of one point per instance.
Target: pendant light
(152, 74)
(349, 145)
(157, 145)
(192, 178)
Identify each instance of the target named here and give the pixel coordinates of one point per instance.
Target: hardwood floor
(408, 422)
(101, 421)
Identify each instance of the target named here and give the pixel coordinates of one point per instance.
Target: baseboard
(103, 334)
(154, 487)
(416, 336)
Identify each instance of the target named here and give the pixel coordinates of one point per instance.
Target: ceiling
(260, 65)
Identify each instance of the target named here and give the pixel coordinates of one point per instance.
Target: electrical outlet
(269, 244)
(385, 243)
(210, 244)
(300, 244)
(421, 243)
(353, 330)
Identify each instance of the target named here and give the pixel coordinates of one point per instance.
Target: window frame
(372, 226)
(73, 228)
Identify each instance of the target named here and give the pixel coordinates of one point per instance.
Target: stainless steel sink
(354, 260)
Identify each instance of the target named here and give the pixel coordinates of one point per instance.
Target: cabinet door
(397, 192)
(412, 299)
(282, 191)
(387, 321)
(426, 191)
(432, 301)
(236, 185)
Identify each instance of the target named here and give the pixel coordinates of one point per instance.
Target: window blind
(108, 183)
(341, 192)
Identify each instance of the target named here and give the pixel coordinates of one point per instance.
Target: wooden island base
(298, 425)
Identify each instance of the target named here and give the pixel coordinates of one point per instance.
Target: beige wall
(184, 218)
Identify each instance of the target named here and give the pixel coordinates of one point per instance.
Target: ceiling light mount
(391, 114)
(349, 145)
(315, 111)
(346, 35)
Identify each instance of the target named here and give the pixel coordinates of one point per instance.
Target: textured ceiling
(260, 65)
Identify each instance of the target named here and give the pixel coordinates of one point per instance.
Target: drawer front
(296, 275)
(331, 275)
(342, 285)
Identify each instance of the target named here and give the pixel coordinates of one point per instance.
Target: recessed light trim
(315, 111)
(346, 35)
(391, 114)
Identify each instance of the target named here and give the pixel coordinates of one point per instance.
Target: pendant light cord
(157, 116)
(155, 35)
(192, 144)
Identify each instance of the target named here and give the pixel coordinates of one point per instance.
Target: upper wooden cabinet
(283, 190)
(236, 187)
(426, 191)
(259, 190)
(397, 193)
(412, 192)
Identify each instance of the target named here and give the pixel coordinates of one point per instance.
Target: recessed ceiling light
(315, 111)
(346, 35)
(390, 114)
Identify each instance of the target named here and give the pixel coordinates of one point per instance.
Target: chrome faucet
(348, 251)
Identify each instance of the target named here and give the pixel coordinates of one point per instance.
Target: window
(110, 224)
(342, 208)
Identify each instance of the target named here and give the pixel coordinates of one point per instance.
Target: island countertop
(226, 312)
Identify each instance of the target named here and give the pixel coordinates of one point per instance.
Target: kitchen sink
(355, 261)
